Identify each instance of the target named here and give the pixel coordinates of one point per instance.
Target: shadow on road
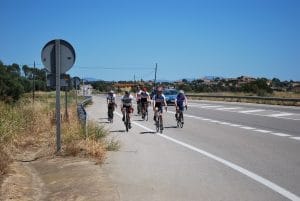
(147, 132)
(117, 131)
(170, 127)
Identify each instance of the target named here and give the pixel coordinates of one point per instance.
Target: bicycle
(179, 117)
(145, 111)
(127, 119)
(110, 112)
(159, 122)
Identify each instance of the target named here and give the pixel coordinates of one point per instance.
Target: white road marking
(235, 125)
(282, 115)
(295, 138)
(279, 115)
(281, 134)
(247, 128)
(228, 108)
(251, 111)
(231, 165)
(224, 123)
(212, 106)
(215, 121)
(262, 131)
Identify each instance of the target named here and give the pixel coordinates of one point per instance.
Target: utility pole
(155, 74)
(33, 82)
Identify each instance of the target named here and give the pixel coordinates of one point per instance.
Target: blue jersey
(180, 99)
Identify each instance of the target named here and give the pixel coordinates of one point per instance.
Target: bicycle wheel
(126, 122)
(146, 117)
(181, 119)
(177, 120)
(161, 126)
(157, 123)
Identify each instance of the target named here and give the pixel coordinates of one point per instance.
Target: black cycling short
(159, 106)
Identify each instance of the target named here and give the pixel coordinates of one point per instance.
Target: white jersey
(127, 100)
(138, 95)
(111, 98)
(144, 94)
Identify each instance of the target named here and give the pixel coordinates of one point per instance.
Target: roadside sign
(58, 56)
(76, 81)
(67, 56)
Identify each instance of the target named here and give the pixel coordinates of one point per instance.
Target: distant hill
(90, 79)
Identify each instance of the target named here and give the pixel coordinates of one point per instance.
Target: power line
(113, 68)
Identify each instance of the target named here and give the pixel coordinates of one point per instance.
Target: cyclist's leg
(123, 109)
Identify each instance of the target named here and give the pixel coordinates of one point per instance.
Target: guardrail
(251, 99)
(81, 111)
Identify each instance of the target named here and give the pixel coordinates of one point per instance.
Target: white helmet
(181, 91)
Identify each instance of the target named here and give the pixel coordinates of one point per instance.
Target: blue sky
(117, 39)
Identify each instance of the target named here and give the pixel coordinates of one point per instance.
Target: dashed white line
(251, 111)
(224, 123)
(239, 126)
(235, 125)
(262, 131)
(247, 128)
(281, 134)
(295, 138)
(279, 115)
(215, 121)
(211, 106)
(228, 108)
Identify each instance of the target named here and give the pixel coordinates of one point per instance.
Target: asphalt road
(225, 151)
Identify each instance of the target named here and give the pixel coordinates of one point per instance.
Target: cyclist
(138, 100)
(127, 105)
(159, 100)
(145, 98)
(111, 102)
(180, 102)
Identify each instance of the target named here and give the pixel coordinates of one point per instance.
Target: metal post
(155, 74)
(58, 118)
(33, 82)
(76, 85)
(66, 104)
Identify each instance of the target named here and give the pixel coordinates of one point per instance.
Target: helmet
(111, 91)
(126, 92)
(181, 91)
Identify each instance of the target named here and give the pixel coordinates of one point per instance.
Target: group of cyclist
(143, 99)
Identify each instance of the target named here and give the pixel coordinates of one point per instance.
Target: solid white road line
(229, 164)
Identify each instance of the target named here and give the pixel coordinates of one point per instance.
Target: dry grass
(26, 127)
